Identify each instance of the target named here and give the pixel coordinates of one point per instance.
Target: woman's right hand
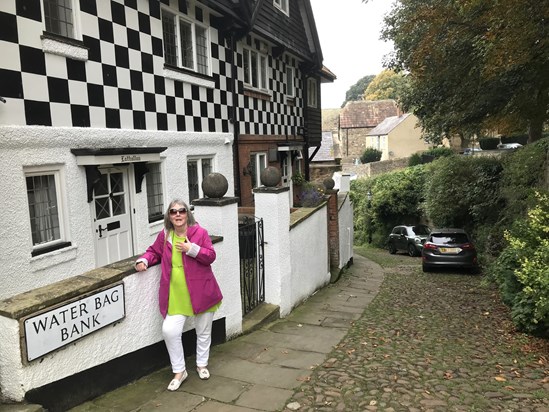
(141, 267)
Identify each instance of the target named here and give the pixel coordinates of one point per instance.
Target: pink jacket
(201, 282)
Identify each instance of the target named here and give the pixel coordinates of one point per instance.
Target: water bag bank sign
(60, 326)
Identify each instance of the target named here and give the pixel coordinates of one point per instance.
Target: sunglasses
(181, 211)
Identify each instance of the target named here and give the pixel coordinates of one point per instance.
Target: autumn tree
(386, 85)
(473, 65)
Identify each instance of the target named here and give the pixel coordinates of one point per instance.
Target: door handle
(101, 230)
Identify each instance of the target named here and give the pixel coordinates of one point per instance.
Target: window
(186, 43)
(197, 170)
(290, 90)
(59, 17)
(45, 211)
(312, 93)
(282, 5)
(255, 69)
(258, 162)
(155, 195)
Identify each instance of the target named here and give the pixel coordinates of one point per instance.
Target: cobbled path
(431, 342)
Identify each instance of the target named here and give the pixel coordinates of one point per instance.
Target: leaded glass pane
(43, 209)
(170, 44)
(202, 50)
(186, 41)
(192, 175)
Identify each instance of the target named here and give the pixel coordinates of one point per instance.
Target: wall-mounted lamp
(227, 141)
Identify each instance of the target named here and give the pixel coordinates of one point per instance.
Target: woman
(187, 286)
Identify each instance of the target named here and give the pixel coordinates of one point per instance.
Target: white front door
(111, 217)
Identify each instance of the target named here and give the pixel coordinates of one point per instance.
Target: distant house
(397, 137)
(325, 161)
(356, 120)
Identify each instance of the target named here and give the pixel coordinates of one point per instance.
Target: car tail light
(468, 246)
(429, 245)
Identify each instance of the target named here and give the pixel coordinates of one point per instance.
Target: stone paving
(430, 342)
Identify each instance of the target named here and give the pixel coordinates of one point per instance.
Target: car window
(449, 238)
(421, 230)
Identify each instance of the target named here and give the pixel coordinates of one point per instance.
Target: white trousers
(172, 330)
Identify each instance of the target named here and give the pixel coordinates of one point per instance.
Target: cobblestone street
(430, 342)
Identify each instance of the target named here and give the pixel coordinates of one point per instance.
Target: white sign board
(60, 326)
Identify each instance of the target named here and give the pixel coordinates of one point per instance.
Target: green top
(179, 301)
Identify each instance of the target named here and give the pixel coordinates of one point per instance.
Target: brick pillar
(333, 229)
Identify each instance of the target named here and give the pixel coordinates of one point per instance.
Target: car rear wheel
(425, 268)
(392, 248)
(412, 250)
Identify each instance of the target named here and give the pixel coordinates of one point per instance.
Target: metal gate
(252, 267)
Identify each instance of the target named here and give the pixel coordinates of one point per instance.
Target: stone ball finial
(328, 183)
(215, 185)
(270, 176)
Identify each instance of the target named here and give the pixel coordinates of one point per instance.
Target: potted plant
(298, 178)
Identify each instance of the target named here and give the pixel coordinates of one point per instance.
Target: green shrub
(415, 160)
(462, 191)
(370, 155)
(441, 151)
(429, 155)
(488, 143)
(522, 269)
(396, 198)
(523, 172)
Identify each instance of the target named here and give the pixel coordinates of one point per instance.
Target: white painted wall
(309, 256)
(346, 231)
(36, 146)
(274, 208)
(140, 328)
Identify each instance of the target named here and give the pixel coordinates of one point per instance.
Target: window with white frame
(186, 43)
(290, 89)
(197, 170)
(47, 220)
(282, 5)
(59, 17)
(312, 92)
(255, 69)
(258, 162)
(155, 194)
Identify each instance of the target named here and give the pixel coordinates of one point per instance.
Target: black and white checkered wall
(121, 85)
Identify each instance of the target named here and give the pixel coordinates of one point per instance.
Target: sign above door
(122, 155)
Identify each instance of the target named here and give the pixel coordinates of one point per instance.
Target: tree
(356, 91)
(386, 85)
(472, 65)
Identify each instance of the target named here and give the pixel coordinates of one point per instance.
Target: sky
(349, 32)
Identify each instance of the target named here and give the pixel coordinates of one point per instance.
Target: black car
(449, 248)
(409, 238)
